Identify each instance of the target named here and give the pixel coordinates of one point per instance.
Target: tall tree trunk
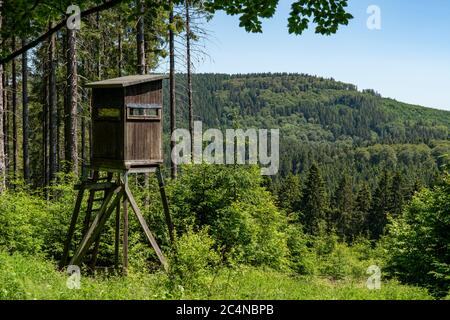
(83, 142)
(62, 112)
(52, 110)
(189, 76)
(45, 104)
(99, 56)
(141, 68)
(14, 111)
(140, 40)
(25, 123)
(71, 148)
(5, 128)
(173, 167)
(83, 130)
(2, 149)
(119, 63)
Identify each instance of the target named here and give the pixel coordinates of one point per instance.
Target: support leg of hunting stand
(71, 231)
(162, 191)
(125, 236)
(93, 261)
(144, 226)
(117, 237)
(97, 225)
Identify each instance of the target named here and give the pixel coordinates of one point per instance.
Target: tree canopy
(31, 19)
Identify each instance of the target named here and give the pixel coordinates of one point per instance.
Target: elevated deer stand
(127, 138)
(115, 193)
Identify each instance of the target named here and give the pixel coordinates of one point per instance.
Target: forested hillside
(328, 122)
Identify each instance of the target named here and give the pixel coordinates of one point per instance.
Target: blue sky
(408, 59)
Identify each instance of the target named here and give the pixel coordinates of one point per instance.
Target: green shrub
(418, 244)
(31, 224)
(302, 259)
(193, 257)
(239, 213)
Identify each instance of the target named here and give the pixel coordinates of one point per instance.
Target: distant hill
(326, 121)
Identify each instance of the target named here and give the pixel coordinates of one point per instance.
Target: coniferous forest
(363, 180)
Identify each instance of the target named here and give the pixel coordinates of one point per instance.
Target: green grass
(35, 278)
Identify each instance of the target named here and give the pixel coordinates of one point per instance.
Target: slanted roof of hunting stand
(126, 81)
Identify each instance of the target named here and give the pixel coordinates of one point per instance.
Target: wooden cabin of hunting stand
(127, 122)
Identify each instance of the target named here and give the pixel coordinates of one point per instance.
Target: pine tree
(314, 202)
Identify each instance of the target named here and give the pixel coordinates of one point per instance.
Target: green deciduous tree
(326, 14)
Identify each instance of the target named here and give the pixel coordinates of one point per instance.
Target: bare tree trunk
(141, 68)
(45, 139)
(2, 149)
(140, 40)
(173, 167)
(61, 133)
(83, 132)
(189, 76)
(83, 143)
(71, 147)
(14, 111)
(52, 110)
(25, 123)
(5, 131)
(119, 63)
(99, 56)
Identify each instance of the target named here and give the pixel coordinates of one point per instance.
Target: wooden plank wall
(143, 137)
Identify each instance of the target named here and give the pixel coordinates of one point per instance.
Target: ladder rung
(101, 186)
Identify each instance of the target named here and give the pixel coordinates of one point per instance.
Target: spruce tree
(377, 219)
(396, 195)
(343, 207)
(362, 208)
(314, 201)
(290, 193)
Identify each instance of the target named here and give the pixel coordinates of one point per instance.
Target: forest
(363, 180)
